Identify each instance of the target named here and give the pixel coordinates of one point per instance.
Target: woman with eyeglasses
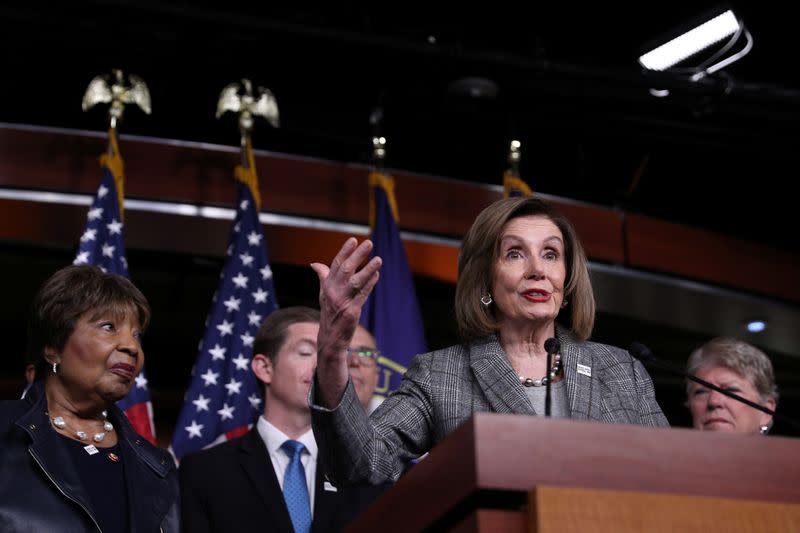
(521, 267)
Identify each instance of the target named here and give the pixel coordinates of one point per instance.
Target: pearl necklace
(60, 423)
(554, 370)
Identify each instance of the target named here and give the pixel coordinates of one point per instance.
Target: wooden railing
(67, 161)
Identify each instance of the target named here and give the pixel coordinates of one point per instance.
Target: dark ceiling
(718, 153)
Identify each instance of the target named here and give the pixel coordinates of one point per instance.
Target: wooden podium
(517, 473)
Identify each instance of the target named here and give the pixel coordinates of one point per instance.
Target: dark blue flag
(103, 244)
(224, 398)
(391, 313)
(514, 186)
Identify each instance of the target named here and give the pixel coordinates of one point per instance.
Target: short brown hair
(479, 252)
(69, 294)
(743, 358)
(272, 333)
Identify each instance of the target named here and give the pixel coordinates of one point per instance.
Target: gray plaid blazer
(443, 389)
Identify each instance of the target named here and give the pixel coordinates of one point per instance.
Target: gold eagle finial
(113, 88)
(239, 98)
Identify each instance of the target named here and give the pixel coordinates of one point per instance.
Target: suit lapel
(49, 452)
(52, 457)
(496, 378)
(324, 503)
(147, 477)
(147, 508)
(581, 378)
(257, 466)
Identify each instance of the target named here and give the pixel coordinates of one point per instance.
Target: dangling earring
(486, 299)
(55, 367)
(564, 303)
(764, 429)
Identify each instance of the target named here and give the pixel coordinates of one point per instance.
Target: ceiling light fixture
(756, 325)
(705, 34)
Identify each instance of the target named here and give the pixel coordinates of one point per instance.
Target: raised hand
(343, 289)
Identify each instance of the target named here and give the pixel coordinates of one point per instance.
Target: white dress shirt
(274, 438)
(374, 402)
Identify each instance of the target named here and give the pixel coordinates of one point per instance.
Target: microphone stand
(547, 387)
(551, 346)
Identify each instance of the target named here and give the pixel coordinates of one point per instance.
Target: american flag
(224, 398)
(103, 244)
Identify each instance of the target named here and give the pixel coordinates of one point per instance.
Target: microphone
(551, 346)
(643, 354)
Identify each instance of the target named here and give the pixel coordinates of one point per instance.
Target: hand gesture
(343, 289)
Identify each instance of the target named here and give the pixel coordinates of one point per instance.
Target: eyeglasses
(366, 356)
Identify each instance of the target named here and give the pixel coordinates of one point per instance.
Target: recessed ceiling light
(756, 326)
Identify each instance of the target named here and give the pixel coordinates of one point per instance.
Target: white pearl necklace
(60, 423)
(554, 370)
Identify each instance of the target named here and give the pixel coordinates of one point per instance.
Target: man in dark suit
(250, 483)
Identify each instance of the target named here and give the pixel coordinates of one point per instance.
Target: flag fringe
(247, 174)
(515, 183)
(114, 163)
(385, 182)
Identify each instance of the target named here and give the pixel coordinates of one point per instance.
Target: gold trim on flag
(397, 367)
(385, 182)
(510, 181)
(247, 175)
(114, 163)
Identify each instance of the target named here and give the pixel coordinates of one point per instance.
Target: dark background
(719, 153)
(561, 77)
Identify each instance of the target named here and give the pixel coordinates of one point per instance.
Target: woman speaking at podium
(520, 267)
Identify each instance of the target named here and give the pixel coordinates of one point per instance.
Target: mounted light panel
(691, 42)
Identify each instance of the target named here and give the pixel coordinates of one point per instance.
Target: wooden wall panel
(61, 226)
(67, 161)
(698, 254)
(599, 229)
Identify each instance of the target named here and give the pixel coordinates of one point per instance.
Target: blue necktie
(295, 490)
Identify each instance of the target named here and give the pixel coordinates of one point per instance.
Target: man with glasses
(363, 363)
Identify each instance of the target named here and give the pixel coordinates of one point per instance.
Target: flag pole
(513, 184)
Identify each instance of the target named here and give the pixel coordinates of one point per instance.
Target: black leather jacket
(41, 490)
